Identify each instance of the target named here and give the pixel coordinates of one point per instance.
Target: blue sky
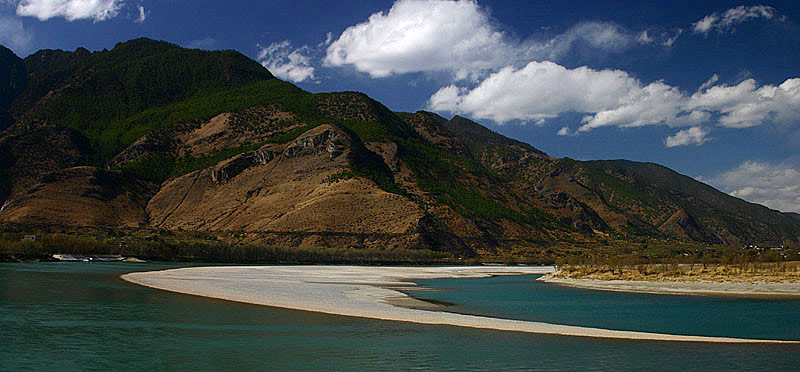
(710, 89)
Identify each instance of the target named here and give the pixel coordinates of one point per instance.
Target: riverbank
(368, 292)
(780, 279)
(702, 288)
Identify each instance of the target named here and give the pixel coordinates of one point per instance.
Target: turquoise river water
(82, 317)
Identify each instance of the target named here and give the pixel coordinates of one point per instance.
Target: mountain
(153, 137)
(12, 82)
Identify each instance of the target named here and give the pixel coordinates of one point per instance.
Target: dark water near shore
(80, 316)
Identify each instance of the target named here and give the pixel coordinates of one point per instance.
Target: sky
(710, 89)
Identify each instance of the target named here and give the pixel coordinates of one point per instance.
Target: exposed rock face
(81, 196)
(233, 167)
(311, 143)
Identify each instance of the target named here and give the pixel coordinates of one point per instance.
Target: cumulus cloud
(457, 37)
(726, 21)
(418, 36)
(287, 63)
(545, 90)
(775, 185)
(747, 104)
(71, 10)
(14, 35)
(691, 136)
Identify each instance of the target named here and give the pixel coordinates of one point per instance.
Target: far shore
(372, 292)
(777, 290)
(762, 280)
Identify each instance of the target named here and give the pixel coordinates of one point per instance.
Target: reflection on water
(80, 316)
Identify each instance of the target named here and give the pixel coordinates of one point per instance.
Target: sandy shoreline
(369, 292)
(787, 290)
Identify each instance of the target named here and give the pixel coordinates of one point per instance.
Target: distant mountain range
(149, 135)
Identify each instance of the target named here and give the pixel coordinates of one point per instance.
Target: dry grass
(742, 273)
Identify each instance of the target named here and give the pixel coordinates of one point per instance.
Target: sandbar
(370, 292)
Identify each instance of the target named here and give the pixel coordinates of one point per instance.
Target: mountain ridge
(202, 141)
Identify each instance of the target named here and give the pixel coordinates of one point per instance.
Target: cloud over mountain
(71, 10)
(14, 35)
(545, 90)
(774, 185)
(286, 62)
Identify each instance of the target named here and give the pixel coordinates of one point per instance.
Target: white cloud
(664, 38)
(746, 105)
(71, 10)
(775, 185)
(691, 136)
(564, 131)
(709, 83)
(596, 35)
(14, 35)
(644, 37)
(457, 37)
(540, 90)
(728, 19)
(655, 103)
(544, 90)
(669, 40)
(287, 63)
(418, 36)
(143, 13)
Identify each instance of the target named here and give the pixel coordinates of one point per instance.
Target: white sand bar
(368, 292)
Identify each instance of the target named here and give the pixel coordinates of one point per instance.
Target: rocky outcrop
(328, 140)
(231, 168)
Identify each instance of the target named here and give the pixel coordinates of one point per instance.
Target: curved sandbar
(368, 292)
